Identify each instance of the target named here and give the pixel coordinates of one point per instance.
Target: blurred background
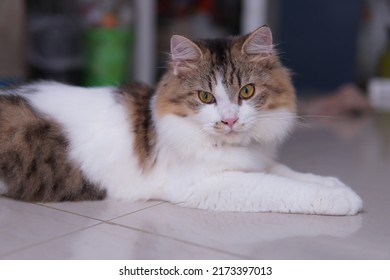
(331, 46)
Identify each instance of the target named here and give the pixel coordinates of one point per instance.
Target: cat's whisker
(272, 118)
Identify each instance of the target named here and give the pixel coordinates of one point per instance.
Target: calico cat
(206, 138)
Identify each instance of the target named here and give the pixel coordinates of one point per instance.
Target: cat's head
(231, 91)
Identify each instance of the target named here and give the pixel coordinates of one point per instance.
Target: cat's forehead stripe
(221, 60)
(220, 55)
(218, 50)
(233, 69)
(238, 74)
(210, 84)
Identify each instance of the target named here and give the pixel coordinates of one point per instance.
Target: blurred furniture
(12, 46)
(254, 14)
(145, 43)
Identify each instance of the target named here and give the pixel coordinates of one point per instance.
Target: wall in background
(318, 41)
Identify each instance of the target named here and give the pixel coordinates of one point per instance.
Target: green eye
(206, 97)
(247, 91)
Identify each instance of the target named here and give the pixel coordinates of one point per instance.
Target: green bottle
(108, 54)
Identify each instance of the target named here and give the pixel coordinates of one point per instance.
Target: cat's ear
(259, 42)
(184, 53)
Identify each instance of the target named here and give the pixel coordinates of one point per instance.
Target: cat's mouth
(232, 134)
(235, 130)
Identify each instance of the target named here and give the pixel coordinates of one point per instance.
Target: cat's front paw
(339, 201)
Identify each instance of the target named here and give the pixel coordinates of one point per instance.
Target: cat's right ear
(184, 53)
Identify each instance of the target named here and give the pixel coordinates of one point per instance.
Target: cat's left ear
(184, 53)
(259, 42)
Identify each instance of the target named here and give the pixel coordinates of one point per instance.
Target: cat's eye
(206, 97)
(247, 91)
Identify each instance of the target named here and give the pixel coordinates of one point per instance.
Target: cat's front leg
(284, 171)
(258, 192)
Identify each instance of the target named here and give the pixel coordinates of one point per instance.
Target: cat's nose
(230, 121)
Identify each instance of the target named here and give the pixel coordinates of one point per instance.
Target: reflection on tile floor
(355, 151)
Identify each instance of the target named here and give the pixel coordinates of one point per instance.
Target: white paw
(332, 182)
(339, 201)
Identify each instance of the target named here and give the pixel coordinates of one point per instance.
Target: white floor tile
(243, 234)
(23, 224)
(114, 242)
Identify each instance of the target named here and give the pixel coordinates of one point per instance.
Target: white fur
(196, 166)
(226, 108)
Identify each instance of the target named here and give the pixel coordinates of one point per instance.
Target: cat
(206, 137)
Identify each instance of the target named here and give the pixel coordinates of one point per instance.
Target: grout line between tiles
(139, 210)
(96, 219)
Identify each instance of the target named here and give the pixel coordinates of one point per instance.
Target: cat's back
(64, 101)
(82, 114)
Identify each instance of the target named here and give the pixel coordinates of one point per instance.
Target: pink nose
(229, 121)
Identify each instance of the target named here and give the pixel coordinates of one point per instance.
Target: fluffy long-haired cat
(206, 137)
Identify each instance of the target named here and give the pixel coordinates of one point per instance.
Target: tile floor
(357, 151)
